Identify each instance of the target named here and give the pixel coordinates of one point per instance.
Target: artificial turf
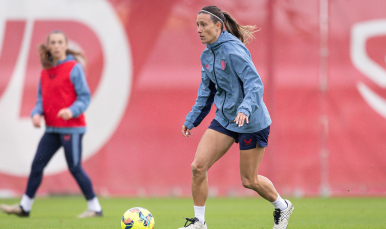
(221, 213)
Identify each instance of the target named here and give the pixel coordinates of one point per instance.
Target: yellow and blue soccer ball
(137, 218)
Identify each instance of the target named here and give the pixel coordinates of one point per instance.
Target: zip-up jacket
(63, 86)
(230, 80)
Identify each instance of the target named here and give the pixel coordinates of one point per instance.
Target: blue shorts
(247, 140)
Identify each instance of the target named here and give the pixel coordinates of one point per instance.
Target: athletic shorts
(247, 140)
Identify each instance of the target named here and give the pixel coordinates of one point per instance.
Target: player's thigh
(72, 144)
(250, 161)
(213, 145)
(48, 145)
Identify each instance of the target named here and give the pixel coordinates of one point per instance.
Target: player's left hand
(65, 114)
(240, 119)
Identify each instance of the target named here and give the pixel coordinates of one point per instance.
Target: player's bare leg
(213, 145)
(249, 165)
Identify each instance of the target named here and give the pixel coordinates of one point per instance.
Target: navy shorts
(246, 140)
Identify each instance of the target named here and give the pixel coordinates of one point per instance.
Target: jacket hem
(66, 130)
(243, 129)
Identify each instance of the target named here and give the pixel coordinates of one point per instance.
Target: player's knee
(250, 183)
(74, 170)
(37, 167)
(198, 168)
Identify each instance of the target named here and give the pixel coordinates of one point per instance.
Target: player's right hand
(185, 131)
(36, 120)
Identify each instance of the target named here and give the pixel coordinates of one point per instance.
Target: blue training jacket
(229, 78)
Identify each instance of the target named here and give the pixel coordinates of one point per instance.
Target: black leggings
(49, 144)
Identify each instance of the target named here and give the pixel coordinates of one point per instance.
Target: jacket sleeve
(82, 91)
(38, 109)
(251, 84)
(204, 102)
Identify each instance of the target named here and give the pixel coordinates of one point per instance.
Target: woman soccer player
(63, 96)
(229, 78)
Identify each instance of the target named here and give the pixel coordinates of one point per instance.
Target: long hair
(243, 33)
(46, 57)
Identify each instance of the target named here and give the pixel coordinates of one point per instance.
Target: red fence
(323, 63)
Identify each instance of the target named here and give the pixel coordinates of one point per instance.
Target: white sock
(280, 203)
(199, 213)
(26, 203)
(93, 205)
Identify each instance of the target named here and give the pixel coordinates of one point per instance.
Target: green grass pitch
(221, 213)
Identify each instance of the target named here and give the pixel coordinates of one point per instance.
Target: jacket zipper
(214, 73)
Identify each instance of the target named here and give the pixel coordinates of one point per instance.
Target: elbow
(87, 102)
(85, 99)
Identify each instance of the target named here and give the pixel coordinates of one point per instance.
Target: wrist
(244, 111)
(188, 125)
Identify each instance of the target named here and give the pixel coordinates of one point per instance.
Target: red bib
(58, 92)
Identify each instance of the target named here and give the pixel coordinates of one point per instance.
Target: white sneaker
(90, 214)
(194, 224)
(15, 209)
(281, 217)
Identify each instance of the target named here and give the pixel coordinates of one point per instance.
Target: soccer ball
(137, 218)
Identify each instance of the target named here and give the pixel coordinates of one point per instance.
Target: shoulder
(235, 48)
(66, 66)
(77, 72)
(235, 51)
(77, 68)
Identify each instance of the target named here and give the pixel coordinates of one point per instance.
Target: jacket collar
(68, 58)
(224, 37)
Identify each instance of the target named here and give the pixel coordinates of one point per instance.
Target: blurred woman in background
(63, 96)
(230, 80)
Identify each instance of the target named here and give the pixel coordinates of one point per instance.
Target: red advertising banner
(323, 64)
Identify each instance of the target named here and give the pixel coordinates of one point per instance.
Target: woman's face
(57, 45)
(208, 31)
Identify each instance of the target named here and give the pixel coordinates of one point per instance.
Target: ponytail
(79, 56)
(243, 33)
(46, 57)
